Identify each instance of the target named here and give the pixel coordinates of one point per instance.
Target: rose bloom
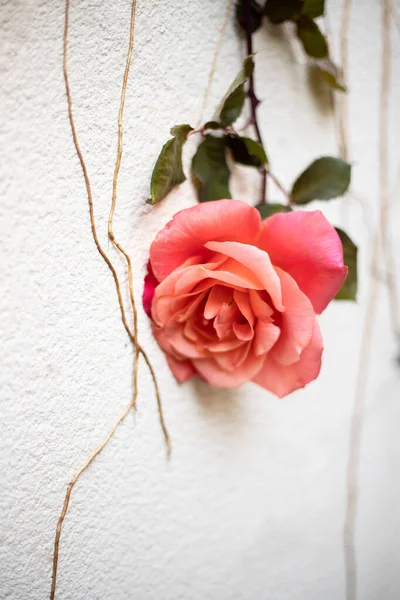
(234, 299)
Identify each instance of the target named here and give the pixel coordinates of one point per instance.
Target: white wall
(252, 504)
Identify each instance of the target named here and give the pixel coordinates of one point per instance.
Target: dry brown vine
(132, 335)
(343, 116)
(75, 479)
(120, 248)
(116, 173)
(341, 111)
(207, 90)
(357, 420)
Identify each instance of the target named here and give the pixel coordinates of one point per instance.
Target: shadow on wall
(218, 404)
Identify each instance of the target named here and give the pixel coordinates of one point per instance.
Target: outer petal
(209, 370)
(182, 369)
(306, 246)
(190, 229)
(150, 284)
(297, 322)
(284, 379)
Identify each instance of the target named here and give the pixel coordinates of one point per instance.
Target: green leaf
(330, 73)
(246, 151)
(279, 11)
(232, 103)
(168, 170)
(313, 41)
(332, 81)
(348, 290)
(325, 178)
(233, 106)
(313, 8)
(212, 125)
(210, 170)
(267, 210)
(255, 15)
(181, 132)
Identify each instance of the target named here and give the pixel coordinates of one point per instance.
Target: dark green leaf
(210, 170)
(332, 81)
(256, 150)
(246, 151)
(232, 103)
(255, 15)
(267, 210)
(212, 125)
(168, 170)
(325, 178)
(180, 132)
(313, 41)
(330, 73)
(349, 288)
(279, 11)
(233, 106)
(313, 8)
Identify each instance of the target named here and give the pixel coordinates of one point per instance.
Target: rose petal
(199, 330)
(150, 284)
(190, 308)
(219, 347)
(219, 294)
(305, 245)
(182, 345)
(266, 335)
(255, 260)
(297, 322)
(230, 361)
(261, 309)
(243, 304)
(167, 287)
(224, 320)
(243, 331)
(231, 273)
(284, 379)
(182, 369)
(164, 342)
(188, 231)
(212, 372)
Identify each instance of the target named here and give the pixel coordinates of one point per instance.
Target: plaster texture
(252, 504)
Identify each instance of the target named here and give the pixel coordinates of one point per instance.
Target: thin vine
(342, 123)
(211, 74)
(132, 335)
(343, 99)
(251, 94)
(116, 173)
(357, 420)
(77, 476)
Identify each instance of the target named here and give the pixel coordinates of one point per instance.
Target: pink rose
(234, 299)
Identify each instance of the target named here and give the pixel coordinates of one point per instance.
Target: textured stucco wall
(252, 503)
